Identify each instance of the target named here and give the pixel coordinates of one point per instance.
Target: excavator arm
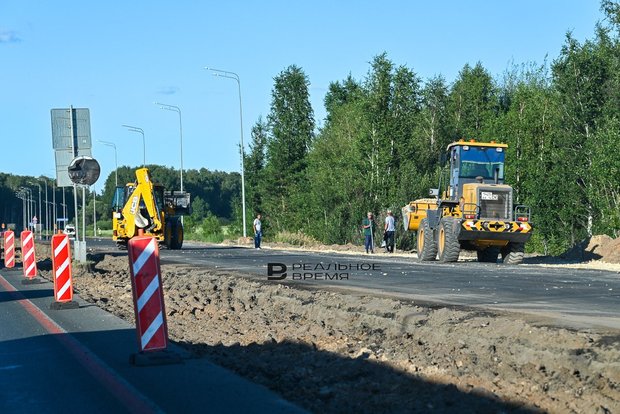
(141, 210)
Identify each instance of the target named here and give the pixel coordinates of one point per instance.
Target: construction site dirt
(340, 352)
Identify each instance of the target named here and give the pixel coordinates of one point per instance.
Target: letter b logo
(277, 269)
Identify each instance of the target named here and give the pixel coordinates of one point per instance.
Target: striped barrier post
(29, 260)
(61, 267)
(9, 249)
(148, 300)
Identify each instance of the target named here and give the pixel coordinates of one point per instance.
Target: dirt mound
(367, 354)
(611, 251)
(600, 247)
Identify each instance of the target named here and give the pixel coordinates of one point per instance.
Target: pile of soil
(600, 247)
(332, 352)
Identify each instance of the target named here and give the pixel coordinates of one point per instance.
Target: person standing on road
(367, 226)
(257, 231)
(389, 232)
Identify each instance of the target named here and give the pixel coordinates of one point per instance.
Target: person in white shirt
(390, 229)
(258, 234)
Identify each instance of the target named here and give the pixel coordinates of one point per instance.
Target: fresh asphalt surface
(561, 296)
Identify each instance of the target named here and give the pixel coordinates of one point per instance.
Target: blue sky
(117, 58)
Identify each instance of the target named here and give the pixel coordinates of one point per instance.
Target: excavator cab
(119, 199)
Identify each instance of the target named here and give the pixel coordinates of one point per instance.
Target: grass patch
(295, 239)
(208, 238)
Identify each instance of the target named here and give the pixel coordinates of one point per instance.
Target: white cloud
(168, 90)
(9, 36)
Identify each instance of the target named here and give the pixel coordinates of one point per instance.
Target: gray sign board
(70, 138)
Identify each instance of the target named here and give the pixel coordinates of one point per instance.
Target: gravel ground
(330, 352)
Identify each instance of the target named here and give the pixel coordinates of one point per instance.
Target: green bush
(104, 224)
(211, 225)
(208, 230)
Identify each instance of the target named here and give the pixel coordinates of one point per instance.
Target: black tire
(176, 241)
(427, 247)
(513, 253)
(488, 255)
(168, 234)
(448, 246)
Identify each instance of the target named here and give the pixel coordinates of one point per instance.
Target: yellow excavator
(475, 211)
(148, 206)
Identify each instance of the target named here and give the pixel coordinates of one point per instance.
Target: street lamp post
(47, 217)
(55, 211)
(40, 218)
(177, 110)
(28, 205)
(140, 131)
(23, 195)
(234, 76)
(113, 145)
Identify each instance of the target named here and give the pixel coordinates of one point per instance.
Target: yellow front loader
(474, 212)
(148, 206)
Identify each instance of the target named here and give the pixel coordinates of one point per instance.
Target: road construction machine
(474, 211)
(148, 206)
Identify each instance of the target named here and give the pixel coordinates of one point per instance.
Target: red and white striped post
(9, 249)
(148, 300)
(63, 280)
(28, 256)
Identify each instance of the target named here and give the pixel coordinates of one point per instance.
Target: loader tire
(176, 241)
(448, 246)
(513, 253)
(427, 246)
(168, 235)
(488, 255)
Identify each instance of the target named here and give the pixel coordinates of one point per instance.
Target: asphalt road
(559, 296)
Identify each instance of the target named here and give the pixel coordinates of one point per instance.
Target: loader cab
(472, 162)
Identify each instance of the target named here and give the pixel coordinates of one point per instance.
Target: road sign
(70, 138)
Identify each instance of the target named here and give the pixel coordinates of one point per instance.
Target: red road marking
(112, 381)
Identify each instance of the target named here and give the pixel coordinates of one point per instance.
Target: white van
(70, 231)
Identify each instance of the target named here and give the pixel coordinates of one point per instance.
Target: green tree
(472, 103)
(291, 123)
(255, 166)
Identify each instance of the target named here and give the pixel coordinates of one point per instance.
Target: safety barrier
(148, 301)
(28, 256)
(63, 280)
(148, 296)
(9, 249)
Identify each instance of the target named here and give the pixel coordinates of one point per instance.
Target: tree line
(214, 194)
(380, 145)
